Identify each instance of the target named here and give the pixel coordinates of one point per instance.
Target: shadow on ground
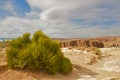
(8, 74)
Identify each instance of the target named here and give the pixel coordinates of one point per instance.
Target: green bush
(98, 53)
(66, 66)
(39, 52)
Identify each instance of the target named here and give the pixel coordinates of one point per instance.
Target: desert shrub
(98, 53)
(66, 66)
(39, 52)
(1, 46)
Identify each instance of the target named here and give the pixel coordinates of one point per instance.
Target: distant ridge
(108, 41)
(102, 37)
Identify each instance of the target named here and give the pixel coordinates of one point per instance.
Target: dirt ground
(108, 68)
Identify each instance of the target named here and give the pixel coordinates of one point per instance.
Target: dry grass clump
(95, 55)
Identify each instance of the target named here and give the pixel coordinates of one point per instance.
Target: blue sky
(12, 7)
(60, 18)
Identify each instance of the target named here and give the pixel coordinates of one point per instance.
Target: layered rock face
(90, 42)
(81, 43)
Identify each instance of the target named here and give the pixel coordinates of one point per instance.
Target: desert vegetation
(31, 57)
(37, 53)
(0, 46)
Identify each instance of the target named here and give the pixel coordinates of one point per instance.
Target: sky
(60, 18)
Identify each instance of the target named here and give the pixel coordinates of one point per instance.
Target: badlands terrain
(87, 65)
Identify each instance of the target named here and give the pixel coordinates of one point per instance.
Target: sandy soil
(106, 69)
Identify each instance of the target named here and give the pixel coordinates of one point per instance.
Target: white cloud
(59, 10)
(7, 8)
(13, 27)
(63, 10)
(56, 18)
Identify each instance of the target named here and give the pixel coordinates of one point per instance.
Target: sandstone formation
(90, 42)
(81, 43)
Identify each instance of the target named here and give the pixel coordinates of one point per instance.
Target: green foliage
(0, 46)
(39, 52)
(66, 66)
(98, 53)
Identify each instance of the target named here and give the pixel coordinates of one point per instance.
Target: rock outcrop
(81, 43)
(90, 42)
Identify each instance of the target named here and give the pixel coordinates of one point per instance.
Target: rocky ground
(108, 68)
